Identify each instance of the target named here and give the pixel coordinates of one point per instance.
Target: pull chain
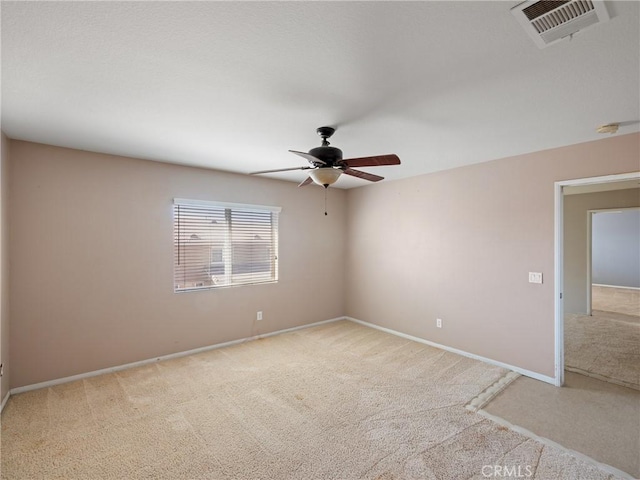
(325, 199)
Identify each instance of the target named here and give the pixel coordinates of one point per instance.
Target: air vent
(548, 22)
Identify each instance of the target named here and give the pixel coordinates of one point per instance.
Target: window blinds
(223, 244)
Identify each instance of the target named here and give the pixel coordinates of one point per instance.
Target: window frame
(230, 279)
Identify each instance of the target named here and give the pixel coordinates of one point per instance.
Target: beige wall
(459, 244)
(92, 261)
(91, 257)
(4, 266)
(575, 240)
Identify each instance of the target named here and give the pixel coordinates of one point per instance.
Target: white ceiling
(234, 85)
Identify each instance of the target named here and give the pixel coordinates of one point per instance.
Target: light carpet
(595, 418)
(614, 299)
(605, 346)
(337, 401)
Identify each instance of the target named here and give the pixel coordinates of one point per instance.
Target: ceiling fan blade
(363, 175)
(310, 158)
(280, 170)
(376, 161)
(306, 182)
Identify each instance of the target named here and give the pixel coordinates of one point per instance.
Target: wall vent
(548, 21)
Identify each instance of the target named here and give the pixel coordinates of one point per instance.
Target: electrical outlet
(439, 322)
(259, 316)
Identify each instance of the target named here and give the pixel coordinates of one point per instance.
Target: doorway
(562, 188)
(613, 268)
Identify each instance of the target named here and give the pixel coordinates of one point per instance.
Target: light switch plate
(535, 277)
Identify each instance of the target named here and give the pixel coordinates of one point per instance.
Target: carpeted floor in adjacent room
(337, 401)
(605, 346)
(616, 299)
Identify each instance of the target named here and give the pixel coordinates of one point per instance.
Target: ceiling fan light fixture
(325, 176)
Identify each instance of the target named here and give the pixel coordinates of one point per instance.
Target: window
(221, 245)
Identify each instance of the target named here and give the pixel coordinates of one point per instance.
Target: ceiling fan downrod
(325, 132)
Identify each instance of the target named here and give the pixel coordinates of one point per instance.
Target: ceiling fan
(327, 163)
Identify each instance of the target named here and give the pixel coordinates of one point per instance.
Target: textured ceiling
(234, 85)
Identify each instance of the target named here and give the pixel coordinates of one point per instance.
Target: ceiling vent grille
(548, 22)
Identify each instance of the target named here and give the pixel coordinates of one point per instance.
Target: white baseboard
(527, 373)
(4, 400)
(72, 378)
(614, 286)
(51, 383)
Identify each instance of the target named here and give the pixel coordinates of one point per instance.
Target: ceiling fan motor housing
(329, 155)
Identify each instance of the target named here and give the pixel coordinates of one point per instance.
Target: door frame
(559, 259)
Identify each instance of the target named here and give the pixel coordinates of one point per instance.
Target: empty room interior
(320, 240)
